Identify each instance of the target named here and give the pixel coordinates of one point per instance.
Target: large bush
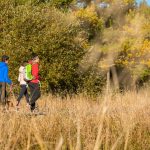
(46, 31)
(54, 35)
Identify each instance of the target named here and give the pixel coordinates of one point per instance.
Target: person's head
(5, 59)
(35, 58)
(24, 63)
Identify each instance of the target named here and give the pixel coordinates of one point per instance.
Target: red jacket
(35, 73)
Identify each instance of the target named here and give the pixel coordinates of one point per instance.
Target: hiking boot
(36, 109)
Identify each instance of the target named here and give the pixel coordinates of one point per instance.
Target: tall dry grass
(110, 122)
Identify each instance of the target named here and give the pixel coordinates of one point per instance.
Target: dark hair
(34, 55)
(23, 63)
(4, 58)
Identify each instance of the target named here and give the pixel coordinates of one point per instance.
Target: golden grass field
(110, 122)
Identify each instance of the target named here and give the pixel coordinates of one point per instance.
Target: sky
(148, 1)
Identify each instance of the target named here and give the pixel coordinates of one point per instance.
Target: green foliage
(51, 34)
(90, 23)
(93, 82)
(61, 3)
(62, 38)
(25, 29)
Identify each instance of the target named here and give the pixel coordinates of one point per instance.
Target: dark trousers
(23, 92)
(34, 94)
(3, 97)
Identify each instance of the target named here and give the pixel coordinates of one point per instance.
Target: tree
(26, 29)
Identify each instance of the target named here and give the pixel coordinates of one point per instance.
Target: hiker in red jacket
(34, 84)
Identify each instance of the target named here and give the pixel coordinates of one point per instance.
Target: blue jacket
(4, 73)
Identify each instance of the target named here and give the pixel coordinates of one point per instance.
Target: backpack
(28, 72)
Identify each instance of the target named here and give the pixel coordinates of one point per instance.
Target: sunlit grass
(113, 121)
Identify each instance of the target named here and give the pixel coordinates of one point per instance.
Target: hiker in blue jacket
(4, 79)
